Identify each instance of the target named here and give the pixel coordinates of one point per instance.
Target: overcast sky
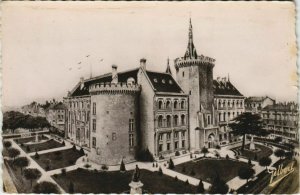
(253, 42)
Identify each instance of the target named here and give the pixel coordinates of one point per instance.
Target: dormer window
(163, 81)
(171, 82)
(155, 80)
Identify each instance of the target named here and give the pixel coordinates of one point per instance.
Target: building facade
(56, 115)
(281, 120)
(229, 103)
(256, 104)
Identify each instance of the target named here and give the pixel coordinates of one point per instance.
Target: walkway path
(33, 164)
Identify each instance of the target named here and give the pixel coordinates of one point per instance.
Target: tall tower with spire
(195, 76)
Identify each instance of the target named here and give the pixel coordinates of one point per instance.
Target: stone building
(255, 104)
(56, 115)
(115, 114)
(229, 103)
(282, 120)
(194, 74)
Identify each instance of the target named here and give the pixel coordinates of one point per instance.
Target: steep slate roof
(281, 107)
(163, 82)
(122, 77)
(225, 88)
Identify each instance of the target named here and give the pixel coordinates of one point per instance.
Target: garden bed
(58, 159)
(206, 169)
(264, 151)
(28, 148)
(89, 181)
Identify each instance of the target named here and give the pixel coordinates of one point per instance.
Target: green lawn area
(29, 139)
(264, 151)
(206, 169)
(58, 159)
(89, 181)
(42, 146)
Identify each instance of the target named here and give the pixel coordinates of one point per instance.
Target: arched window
(220, 116)
(175, 120)
(168, 121)
(219, 103)
(182, 104)
(228, 115)
(160, 121)
(160, 103)
(183, 119)
(233, 103)
(224, 103)
(224, 116)
(168, 105)
(175, 104)
(228, 104)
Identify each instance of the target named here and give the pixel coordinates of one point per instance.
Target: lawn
(29, 139)
(264, 151)
(89, 181)
(58, 159)
(206, 169)
(42, 146)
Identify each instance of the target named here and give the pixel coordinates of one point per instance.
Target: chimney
(143, 63)
(81, 82)
(114, 74)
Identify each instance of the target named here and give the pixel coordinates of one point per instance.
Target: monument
(136, 185)
(252, 146)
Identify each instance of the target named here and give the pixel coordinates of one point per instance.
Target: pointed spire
(228, 78)
(191, 50)
(168, 70)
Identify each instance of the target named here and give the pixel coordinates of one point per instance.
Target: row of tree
(13, 120)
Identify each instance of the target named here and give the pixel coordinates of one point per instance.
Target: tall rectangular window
(94, 142)
(114, 136)
(94, 108)
(131, 141)
(208, 120)
(94, 125)
(131, 124)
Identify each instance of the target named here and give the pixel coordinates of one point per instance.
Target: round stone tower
(114, 120)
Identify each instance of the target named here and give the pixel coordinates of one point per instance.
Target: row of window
(168, 135)
(228, 116)
(82, 116)
(77, 105)
(167, 146)
(230, 103)
(169, 104)
(167, 121)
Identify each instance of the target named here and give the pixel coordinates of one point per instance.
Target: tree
(218, 186)
(32, 174)
(13, 153)
(36, 156)
(249, 162)
(71, 188)
(278, 139)
(247, 123)
(246, 173)
(122, 166)
(279, 153)
(265, 162)
(7, 144)
(171, 164)
(160, 173)
(21, 162)
(81, 151)
(204, 151)
(46, 187)
(200, 187)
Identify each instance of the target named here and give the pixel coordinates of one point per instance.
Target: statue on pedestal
(136, 185)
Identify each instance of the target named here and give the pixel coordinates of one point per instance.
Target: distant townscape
(132, 131)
